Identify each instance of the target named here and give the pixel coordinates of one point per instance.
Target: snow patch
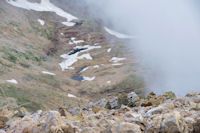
(88, 47)
(73, 41)
(109, 50)
(108, 82)
(116, 59)
(69, 60)
(68, 23)
(41, 22)
(48, 73)
(117, 34)
(13, 81)
(96, 66)
(45, 5)
(96, 44)
(88, 78)
(84, 69)
(71, 95)
(86, 56)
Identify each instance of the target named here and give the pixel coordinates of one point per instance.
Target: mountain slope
(32, 43)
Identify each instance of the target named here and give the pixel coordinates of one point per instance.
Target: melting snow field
(13, 81)
(117, 34)
(45, 5)
(41, 22)
(70, 59)
(70, 95)
(48, 73)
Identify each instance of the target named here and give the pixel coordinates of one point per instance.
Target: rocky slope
(124, 114)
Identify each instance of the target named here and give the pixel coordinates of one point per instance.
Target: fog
(167, 43)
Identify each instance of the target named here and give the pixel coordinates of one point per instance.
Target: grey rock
(174, 124)
(112, 103)
(75, 111)
(101, 103)
(157, 110)
(126, 127)
(132, 98)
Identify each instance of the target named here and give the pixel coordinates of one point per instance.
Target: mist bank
(167, 39)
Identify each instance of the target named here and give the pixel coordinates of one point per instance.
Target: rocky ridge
(124, 114)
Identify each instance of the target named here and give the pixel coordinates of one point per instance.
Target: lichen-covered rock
(145, 103)
(122, 100)
(169, 95)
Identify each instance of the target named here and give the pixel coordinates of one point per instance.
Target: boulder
(125, 127)
(122, 100)
(174, 123)
(145, 103)
(75, 111)
(101, 103)
(169, 95)
(196, 126)
(133, 117)
(132, 98)
(171, 122)
(53, 120)
(112, 103)
(159, 110)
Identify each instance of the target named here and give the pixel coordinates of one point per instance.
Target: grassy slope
(23, 55)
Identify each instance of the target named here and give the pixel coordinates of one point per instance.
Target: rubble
(172, 115)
